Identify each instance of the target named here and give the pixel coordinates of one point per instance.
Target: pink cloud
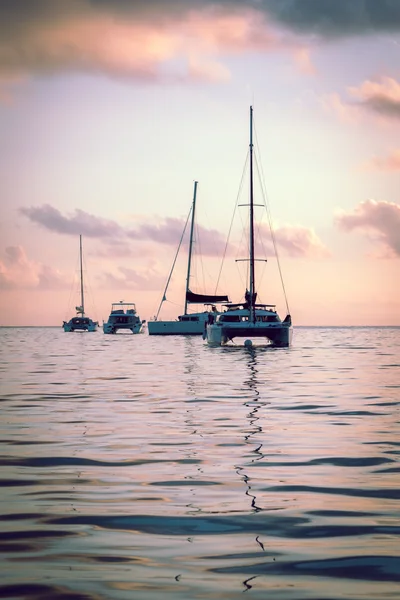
(302, 57)
(8, 86)
(379, 218)
(382, 96)
(333, 104)
(391, 162)
(143, 45)
(132, 279)
(18, 272)
(294, 240)
(298, 241)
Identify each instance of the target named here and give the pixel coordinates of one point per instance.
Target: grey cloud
(378, 217)
(167, 231)
(80, 223)
(323, 17)
(384, 106)
(336, 17)
(208, 242)
(49, 36)
(50, 279)
(127, 278)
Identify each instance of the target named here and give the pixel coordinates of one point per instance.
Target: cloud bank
(127, 278)
(297, 241)
(178, 40)
(382, 97)
(294, 241)
(391, 162)
(379, 218)
(18, 272)
(335, 18)
(165, 231)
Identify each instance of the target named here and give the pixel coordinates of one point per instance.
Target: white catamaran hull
(194, 324)
(175, 328)
(123, 316)
(278, 335)
(114, 327)
(78, 324)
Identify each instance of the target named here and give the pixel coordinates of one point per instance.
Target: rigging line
(173, 264)
(233, 216)
(210, 226)
(260, 240)
(266, 204)
(242, 279)
(90, 289)
(71, 291)
(200, 258)
(173, 303)
(259, 224)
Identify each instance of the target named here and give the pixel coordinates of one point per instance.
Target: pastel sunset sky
(110, 109)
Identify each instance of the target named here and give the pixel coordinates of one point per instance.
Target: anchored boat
(187, 323)
(123, 316)
(81, 322)
(250, 319)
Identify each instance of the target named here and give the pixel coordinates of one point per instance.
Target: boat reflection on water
(255, 428)
(254, 403)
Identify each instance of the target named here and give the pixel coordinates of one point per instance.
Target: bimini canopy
(193, 298)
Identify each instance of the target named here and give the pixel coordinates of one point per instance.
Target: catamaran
(123, 316)
(188, 323)
(250, 319)
(82, 322)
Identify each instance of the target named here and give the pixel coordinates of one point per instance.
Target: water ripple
(146, 468)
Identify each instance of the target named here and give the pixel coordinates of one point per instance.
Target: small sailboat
(81, 322)
(123, 316)
(250, 319)
(188, 323)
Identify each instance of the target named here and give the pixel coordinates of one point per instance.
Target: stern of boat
(108, 328)
(214, 335)
(281, 337)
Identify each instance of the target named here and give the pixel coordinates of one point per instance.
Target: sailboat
(188, 323)
(81, 322)
(249, 319)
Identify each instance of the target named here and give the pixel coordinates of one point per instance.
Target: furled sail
(193, 298)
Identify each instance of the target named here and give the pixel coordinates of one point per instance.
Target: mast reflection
(255, 404)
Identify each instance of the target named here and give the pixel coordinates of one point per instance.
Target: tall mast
(81, 265)
(251, 240)
(190, 245)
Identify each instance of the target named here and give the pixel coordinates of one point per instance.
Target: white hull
(277, 334)
(194, 324)
(113, 328)
(78, 324)
(123, 317)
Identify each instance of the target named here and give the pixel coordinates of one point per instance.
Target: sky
(110, 110)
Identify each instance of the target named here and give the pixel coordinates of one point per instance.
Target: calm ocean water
(144, 467)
